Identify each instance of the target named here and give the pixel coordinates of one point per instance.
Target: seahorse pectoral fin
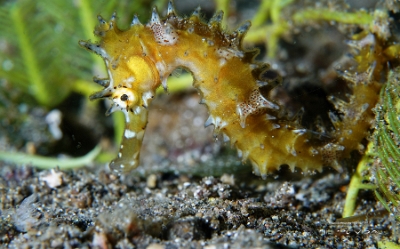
(128, 156)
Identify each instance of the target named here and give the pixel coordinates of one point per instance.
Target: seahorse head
(132, 75)
(133, 80)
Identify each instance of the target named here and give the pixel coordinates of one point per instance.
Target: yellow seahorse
(228, 79)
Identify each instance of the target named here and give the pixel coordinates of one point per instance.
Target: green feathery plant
(379, 169)
(41, 58)
(385, 169)
(39, 51)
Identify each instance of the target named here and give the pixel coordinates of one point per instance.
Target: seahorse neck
(210, 63)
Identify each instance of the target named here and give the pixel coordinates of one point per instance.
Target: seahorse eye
(124, 97)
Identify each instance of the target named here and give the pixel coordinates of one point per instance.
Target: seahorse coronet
(228, 78)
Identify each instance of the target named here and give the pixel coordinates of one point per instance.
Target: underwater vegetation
(41, 64)
(384, 169)
(45, 63)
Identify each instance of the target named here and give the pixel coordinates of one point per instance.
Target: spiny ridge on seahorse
(228, 79)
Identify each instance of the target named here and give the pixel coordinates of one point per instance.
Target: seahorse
(231, 85)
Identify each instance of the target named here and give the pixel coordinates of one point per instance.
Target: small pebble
(152, 181)
(155, 246)
(53, 179)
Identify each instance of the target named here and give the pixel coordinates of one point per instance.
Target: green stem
(88, 24)
(224, 6)
(386, 244)
(276, 10)
(43, 162)
(256, 35)
(177, 83)
(262, 14)
(356, 184)
(359, 17)
(29, 58)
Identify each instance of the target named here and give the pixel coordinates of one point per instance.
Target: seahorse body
(228, 79)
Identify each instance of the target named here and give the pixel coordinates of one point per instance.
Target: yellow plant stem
(177, 83)
(87, 21)
(356, 183)
(274, 32)
(262, 14)
(84, 87)
(360, 17)
(43, 162)
(270, 33)
(385, 244)
(256, 35)
(224, 6)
